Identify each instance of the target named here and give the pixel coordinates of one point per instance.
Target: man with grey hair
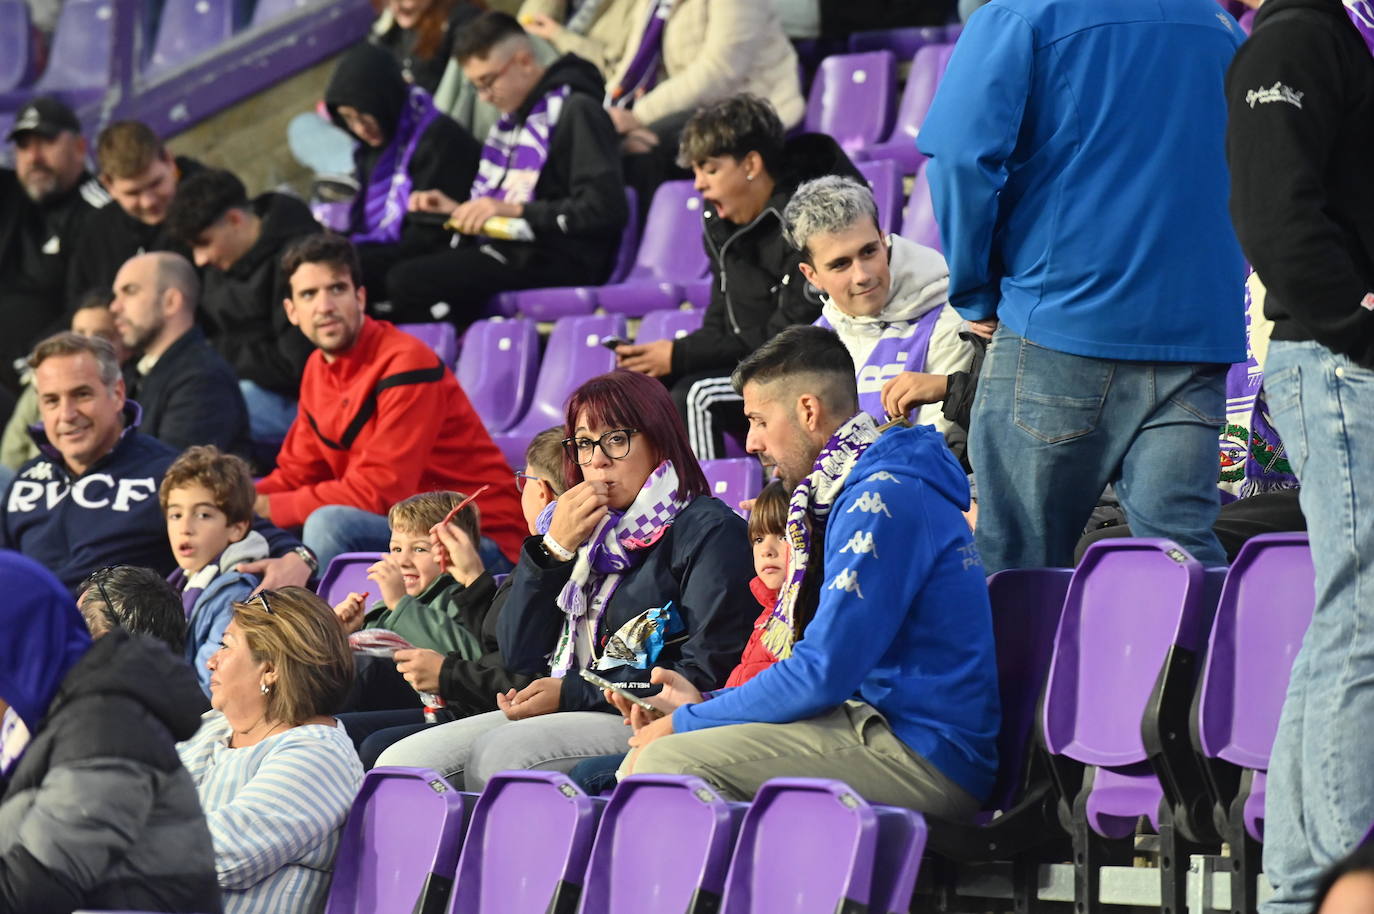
(188, 393)
(885, 297)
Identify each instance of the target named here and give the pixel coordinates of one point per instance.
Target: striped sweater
(275, 811)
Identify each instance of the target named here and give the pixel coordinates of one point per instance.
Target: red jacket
(384, 421)
(756, 658)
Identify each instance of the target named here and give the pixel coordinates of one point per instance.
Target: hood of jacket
(42, 637)
(1271, 8)
(284, 218)
(368, 79)
(916, 453)
(920, 284)
(569, 70)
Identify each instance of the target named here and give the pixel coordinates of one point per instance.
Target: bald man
(188, 392)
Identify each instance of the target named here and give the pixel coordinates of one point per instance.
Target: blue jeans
(269, 414)
(1320, 797)
(1050, 430)
(335, 529)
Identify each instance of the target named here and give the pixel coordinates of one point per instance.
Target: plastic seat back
(733, 479)
(901, 842)
(400, 844)
(439, 336)
(806, 845)
(669, 324)
(851, 98)
(884, 177)
(527, 846)
(671, 248)
(16, 45)
(630, 874)
(188, 28)
(347, 573)
(83, 42)
(918, 224)
(498, 367)
(904, 42)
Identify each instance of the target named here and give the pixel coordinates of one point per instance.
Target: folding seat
(563, 301)
(919, 224)
(347, 573)
(733, 479)
(187, 29)
(16, 46)
(79, 60)
(527, 846)
(629, 872)
(670, 254)
(439, 336)
(885, 180)
(851, 99)
(497, 369)
(1131, 638)
(400, 844)
(901, 842)
(927, 68)
(697, 293)
(902, 42)
(574, 354)
(668, 325)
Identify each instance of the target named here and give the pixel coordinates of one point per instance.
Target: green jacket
(430, 620)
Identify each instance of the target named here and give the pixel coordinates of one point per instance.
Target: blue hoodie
(42, 636)
(903, 623)
(1079, 177)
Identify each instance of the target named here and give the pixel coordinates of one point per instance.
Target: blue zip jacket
(1078, 172)
(214, 608)
(903, 622)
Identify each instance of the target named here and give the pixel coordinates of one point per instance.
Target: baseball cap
(45, 115)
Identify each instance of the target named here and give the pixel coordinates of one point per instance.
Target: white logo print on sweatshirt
(1278, 92)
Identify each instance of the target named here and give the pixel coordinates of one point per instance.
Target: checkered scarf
(1361, 13)
(615, 546)
(811, 502)
(516, 149)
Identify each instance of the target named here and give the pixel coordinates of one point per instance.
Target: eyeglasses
(262, 595)
(485, 83)
(97, 580)
(615, 444)
(522, 478)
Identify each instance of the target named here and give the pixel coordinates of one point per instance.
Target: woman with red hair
(637, 566)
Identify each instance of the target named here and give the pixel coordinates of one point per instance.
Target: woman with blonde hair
(275, 772)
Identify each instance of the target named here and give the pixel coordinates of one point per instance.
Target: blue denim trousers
(269, 414)
(1050, 430)
(335, 529)
(1319, 800)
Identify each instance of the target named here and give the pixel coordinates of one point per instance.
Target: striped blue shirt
(275, 811)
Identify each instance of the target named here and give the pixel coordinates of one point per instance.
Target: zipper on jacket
(720, 258)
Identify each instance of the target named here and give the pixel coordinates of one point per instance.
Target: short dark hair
(143, 603)
(800, 351)
(201, 200)
(478, 37)
(225, 476)
(769, 515)
(322, 247)
(734, 127)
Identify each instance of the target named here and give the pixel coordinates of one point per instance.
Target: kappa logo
(1278, 92)
(861, 543)
(39, 471)
(883, 476)
(871, 503)
(848, 581)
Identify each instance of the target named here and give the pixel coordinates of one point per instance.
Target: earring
(265, 688)
(748, 177)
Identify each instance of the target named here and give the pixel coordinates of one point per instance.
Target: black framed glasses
(615, 444)
(521, 479)
(97, 580)
(262, 595)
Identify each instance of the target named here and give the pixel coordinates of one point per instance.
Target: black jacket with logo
(1300, 142)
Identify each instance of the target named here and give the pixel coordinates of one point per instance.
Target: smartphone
(603, 683)
(611, 342)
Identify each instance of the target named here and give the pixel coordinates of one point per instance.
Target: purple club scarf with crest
(642, 72)
(383, 203)
(615, 546)
(514, 152)
(1252, 455)
(1361, 13)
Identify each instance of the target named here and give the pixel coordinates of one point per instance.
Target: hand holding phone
(605, 684)
(613, 342)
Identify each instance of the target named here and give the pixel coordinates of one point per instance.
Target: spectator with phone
(635, 543)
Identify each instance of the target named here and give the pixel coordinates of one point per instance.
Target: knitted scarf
(1252, 456)
(810, 503)
(617, 545)
(385, 199)
(515, 151)
(642, 72)
(1361, 13)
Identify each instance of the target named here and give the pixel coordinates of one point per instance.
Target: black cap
(44, 115)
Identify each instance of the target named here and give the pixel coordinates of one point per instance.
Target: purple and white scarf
(1361, 13)
(383, 203)
(641, 73)
(811, 501)
(615, 546)
(514, 152)
(14, 739)
(1251, 453)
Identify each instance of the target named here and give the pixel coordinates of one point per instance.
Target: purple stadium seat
(902, 42)
(901, 842)
(527, 846)
(698, 293)
(439, 336)
(918, 224)
(497, 368)
(670, 254)
(884, 178)
(574, 354)
(1247, 20)
(927, 69)
(564, 301)
(668, 325)
(16, 45)
(78, 69)
(399, 846)
(347, 573)
(186, 29)
(851, 98)
(630, 874)
(827, 834)
(733, 479)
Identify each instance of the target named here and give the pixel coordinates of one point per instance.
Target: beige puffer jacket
(605, 40)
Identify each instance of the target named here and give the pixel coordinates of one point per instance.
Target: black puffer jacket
(757, 287)
(470, 686)
(99, 812)
(241, 308)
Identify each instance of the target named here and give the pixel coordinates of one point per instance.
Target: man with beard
(43, 205)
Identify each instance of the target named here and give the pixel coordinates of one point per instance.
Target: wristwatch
(309, 558)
